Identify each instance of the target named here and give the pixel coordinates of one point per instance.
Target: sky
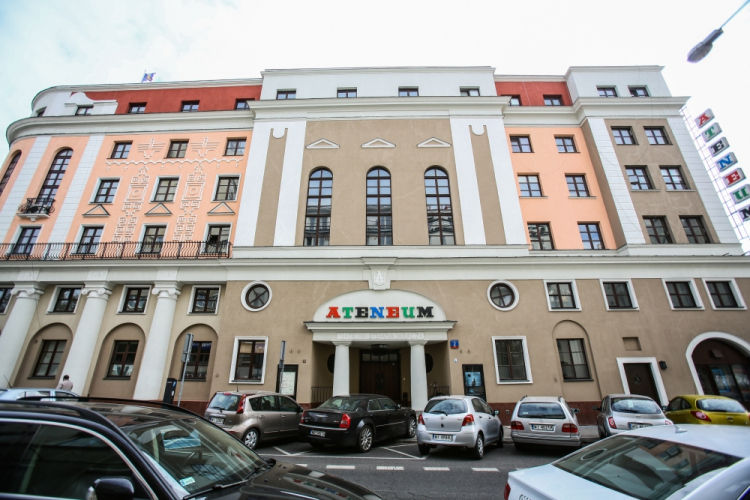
(57, 42)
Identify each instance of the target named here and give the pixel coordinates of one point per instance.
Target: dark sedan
(356, 420)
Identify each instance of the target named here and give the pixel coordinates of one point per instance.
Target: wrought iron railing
(37, 206)
(120, 250)
(321, 394)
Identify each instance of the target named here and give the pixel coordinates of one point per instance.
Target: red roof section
(532, 93)
(170, 100)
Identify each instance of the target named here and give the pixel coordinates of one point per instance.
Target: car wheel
(601, 434)
(411, 430)
(250, 439)
(424, 449)
(364, 439)
(478, 451)
(500, 443)
(520, 447)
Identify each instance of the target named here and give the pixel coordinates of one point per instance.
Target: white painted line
(389, 467)
(436, 468)
(282, 451)
(342, 467)
(484, 469)
(329, 457)
(301, 465)
(401, 452)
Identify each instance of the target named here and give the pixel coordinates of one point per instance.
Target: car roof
(360, 396)
(248, 393)
(633, 396)
(722, 438)
(541, 399)
(696, 397)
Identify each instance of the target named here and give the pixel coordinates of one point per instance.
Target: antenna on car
(679, 430)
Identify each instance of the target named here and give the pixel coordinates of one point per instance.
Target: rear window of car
(635, 405)
(645, 468)
(541, 410)
(447, 406)
(348, 404)
(721, 405)
(227, 402)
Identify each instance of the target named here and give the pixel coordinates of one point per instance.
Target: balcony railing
(120, 250)
(37, 207)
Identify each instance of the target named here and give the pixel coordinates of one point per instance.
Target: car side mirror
(398, 407)
(300, 409)
(576, 410)
(111, 488)
(596, 408)
(496, 412)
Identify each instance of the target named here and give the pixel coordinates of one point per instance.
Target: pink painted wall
(22, 146)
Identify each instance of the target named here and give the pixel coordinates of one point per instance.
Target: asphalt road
(395, 469)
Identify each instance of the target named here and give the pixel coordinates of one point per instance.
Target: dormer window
(84, 110)
(190, 106)
(286, 94)
(344, 93)
(408, 92)
(469, 91)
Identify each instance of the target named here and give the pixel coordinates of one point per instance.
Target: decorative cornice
(167, 290)
(98, 289)
(27, 290)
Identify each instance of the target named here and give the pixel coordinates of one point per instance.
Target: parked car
(104, 449)
(34, 392)
(688, 462)
(463, 421)
(356, 420)
(546, 421)
(253, 416)
(624, 412)
(706, 409)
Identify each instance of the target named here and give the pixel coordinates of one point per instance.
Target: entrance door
(380, 373)
(474, 381)
(723, 370)
(641, 380)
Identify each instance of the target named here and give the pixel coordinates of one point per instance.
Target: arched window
(318, 214)
(9, 171)
(54, 176)
(439, 210)
(379, 223)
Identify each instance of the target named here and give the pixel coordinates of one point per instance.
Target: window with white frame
(106, 191)
(226, 188)
(66, 300)
(5, 295)
(511, 359)
(724, 294)
(205, 300)
(562, 296)
(135, 300)
(682, 294)
(249, 360)
(618, 295)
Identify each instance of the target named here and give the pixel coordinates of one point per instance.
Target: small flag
(148, 77)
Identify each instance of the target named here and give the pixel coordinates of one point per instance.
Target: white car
(654, 463)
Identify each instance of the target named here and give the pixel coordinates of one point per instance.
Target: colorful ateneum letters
(734, 177)
(706, 117)
(742, 194)
(711, 132)
(718, 146)
(745, 213)
(726, 161)
(335, 312)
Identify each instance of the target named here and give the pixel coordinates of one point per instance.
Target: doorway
(641, 380)
(723, 370)
(380, 373)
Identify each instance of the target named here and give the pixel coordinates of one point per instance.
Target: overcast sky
(46, 43)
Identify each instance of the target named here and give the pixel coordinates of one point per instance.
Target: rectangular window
(205, 300)
(249, 362)
(639, 91)
(166, 189)
(656, 135)
(189, 106)
(197, 365)
(541, 237)
(681, 294)
(520, 144)
(135, 300)
(577, 187)
(107, 190)
(242, 103)
(623, 136)
(121, 150)
(49, 358)
(618, 295)
(235, 147)
(408, 92)
(673, 178)
(123, 359)
(658, 230)
(695, 230)
(565, 145)
(553, 100)
(26, 240)
(607, 91)
(573, 359)
(590, 236)
(218, 239)
(470, 92)
(511, 360)
(67, 299)
(84, 110)
(226, 189)
(137, 108)
(286, 94)
(89, 242)
(177, 149)
(344, 93)
(638, 177)
(530, 186)
(153, 239)
(561, 296)
(515, 100)
(721, 294)
(5, 296)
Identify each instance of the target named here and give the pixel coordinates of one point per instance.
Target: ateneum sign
(387, 312)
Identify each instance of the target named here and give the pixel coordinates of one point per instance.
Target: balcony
(36, 208)
(117, 250)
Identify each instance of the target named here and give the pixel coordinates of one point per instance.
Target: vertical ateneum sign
(742, 194)
(734, 177)
(726, 161)
(706, 117)
(711, 132)
(718, 146)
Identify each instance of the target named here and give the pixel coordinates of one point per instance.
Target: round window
(502, 295)
(256, 296)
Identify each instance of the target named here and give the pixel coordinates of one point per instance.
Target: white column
(291, 178)
(81, 354)
(468, 186)
(154, 361)
(418, 375)
(341, 369)
(17, 327)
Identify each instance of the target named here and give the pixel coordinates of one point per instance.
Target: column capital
(346, 343)
(417, 342)
(26, 290)
(97, 289)
(167, 289)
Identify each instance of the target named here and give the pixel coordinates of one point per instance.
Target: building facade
(406, 231)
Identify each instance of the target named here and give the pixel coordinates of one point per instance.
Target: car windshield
(646, 468)
(191, 454)
(224, 401)
(720, 405)
(541, 410)
(635, 405)
(447, 406)
(348, 404)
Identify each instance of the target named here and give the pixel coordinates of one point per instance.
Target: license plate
(638, 426)
(318, 433)
(442, 437)
(217, 420)
(538, 427)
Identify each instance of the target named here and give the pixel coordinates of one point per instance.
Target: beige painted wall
(25, 378)
(116, 388)
(269, 198)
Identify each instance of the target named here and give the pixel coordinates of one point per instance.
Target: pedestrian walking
(66, 384)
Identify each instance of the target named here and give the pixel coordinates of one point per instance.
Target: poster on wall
(289, 381)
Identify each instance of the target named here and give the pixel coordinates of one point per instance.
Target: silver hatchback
(463, 421)
(624, 412)
(545, 421)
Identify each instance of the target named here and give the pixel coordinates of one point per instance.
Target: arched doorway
(723, 369)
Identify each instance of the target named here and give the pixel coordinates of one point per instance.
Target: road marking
(436, 468)
(282, 451)
(484, 469)
(389, 467)
(342, 467)
(345, 457)
(402, 453)
(301, 465)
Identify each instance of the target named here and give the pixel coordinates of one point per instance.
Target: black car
(110, 450)
(356, 420)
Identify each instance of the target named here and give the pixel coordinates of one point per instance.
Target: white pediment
(433, 142)
(322, 144)
(378, 143)
(384, 306)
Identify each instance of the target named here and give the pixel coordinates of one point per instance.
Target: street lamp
(702, 49)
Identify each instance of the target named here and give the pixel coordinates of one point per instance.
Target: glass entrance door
(474, 381)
